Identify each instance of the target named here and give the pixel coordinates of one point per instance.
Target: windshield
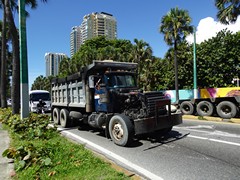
(37, 96)
(121, 80)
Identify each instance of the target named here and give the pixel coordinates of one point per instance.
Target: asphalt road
(192, 150)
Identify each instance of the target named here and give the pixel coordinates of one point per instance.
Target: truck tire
(56, 116)
(226, 109)
(187, 107)
(205, 108)
(121, 130)
(64, 118)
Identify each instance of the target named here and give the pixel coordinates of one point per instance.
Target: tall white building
(94, 24)
(52, 61)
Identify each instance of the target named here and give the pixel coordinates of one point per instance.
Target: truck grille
(150, 100)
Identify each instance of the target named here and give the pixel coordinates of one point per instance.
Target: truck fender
(75, 115)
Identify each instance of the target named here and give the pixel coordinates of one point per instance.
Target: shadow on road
(155, 137)
(162, 139)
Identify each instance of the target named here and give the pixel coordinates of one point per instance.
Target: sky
(49, 26)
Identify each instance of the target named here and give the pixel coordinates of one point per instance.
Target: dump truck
(223, 102)
(105, 95)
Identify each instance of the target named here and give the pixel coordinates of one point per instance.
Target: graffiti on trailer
(203, 93)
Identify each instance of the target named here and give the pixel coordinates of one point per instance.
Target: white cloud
(208, 28)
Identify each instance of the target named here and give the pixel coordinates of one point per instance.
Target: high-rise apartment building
(94, 24)
(75, 39)
(52, 63)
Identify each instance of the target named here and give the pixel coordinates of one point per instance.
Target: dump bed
(68, 91)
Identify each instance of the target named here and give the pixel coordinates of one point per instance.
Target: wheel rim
(117, 131)
(186, 108)
(226, 109)
(205, 108)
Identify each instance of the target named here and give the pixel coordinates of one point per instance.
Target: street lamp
(237, 80)
(195, 91)
(24, 92)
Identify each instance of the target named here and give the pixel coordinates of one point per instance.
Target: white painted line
(214, 140)
(214, 132)
(115, 156)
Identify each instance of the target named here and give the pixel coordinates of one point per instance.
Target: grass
(51, 156)
(68, 161)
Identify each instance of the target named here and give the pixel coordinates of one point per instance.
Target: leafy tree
(141, 52)
(64, 69)
(42, 83)
(38, 84)
(228, 10)
(218, 60)
(176, 26)
(98, 48)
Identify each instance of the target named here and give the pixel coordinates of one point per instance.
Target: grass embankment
(40, 152)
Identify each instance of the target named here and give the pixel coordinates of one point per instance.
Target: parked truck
(223, 102)
(105, 95)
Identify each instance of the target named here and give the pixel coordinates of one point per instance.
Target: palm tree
(3, 62)
(176, 26)
(141, 52)
(228, 10)
(9, 7)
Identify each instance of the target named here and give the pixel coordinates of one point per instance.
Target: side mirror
(91, 81)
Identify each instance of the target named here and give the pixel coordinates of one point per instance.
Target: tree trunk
(15, 93)
(3, 62)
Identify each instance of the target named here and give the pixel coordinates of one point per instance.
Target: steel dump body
(105, 95)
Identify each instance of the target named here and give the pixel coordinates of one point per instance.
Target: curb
(210, 118)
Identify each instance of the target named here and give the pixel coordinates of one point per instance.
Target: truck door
(101, 97)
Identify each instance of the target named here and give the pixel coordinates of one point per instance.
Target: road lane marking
(214, 132)
(137, 168)
(214, 140)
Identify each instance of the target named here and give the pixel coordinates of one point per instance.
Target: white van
(35, 96)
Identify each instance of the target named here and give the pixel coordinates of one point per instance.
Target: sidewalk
(6, 166)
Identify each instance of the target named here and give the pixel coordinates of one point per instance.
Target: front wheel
(121, 130)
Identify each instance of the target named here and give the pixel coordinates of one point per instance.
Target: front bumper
(151, 124)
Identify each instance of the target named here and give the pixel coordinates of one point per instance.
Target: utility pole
(24, 91)
(195, 91)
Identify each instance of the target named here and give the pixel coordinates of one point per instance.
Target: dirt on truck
(105, 95)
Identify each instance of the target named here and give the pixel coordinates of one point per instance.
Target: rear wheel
(226, 109)
(187, 107)
(121, 130)
(64, 118)
(56, 116)
(205, 108)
